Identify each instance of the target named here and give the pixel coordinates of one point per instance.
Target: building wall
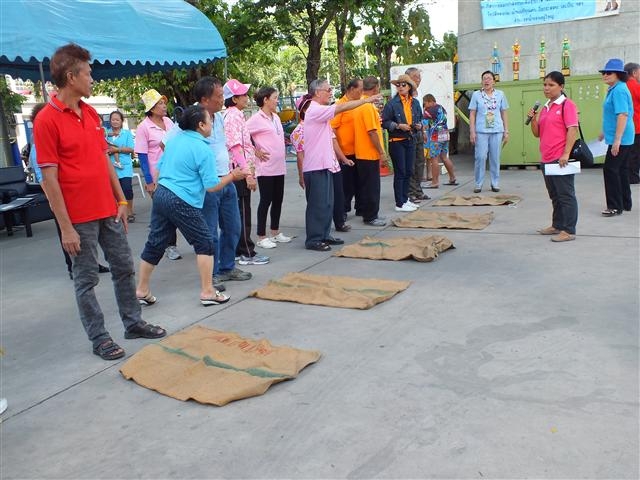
(593, 41)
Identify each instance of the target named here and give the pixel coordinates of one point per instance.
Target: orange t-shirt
(366, 118)
(342, 125)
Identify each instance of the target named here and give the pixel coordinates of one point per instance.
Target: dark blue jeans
(168, 213)
(318, 188)
(403, 155)
(220, 209)
(562, 193)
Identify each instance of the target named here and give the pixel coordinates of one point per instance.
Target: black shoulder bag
(580, 151)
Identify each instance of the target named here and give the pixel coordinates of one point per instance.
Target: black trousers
(350, 185)
(245, 246)
(271, 195)
(634, 161)
(616, 179)
(369, 188)
(338, 198)
(562, 193)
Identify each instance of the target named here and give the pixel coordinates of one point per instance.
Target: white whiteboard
(437, 79)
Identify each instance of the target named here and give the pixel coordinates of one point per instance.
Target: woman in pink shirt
(268, 136)
(556, 125)
(149, 147)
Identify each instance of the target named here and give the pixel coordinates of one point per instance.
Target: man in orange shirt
(369, 153)
(342, 125)
(633, 83)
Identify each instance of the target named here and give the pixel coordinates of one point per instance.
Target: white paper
(598, 148)
(555, 169)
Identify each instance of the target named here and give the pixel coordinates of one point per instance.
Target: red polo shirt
(77, 147)
(634, 88)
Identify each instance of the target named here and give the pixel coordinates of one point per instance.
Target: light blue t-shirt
(124, 139)
(488, 109)
(187, 167)
(617, 101)
(34, 163)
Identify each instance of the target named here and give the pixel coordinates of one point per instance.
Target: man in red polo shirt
(633, 83)
(87, 200)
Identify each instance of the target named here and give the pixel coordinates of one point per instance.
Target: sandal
(452, 182)
(145, 330)
(131, 218)
(147, 300)
(109, 350)
(610, 212)
(319, 247)
(219, 299)
(432, 186)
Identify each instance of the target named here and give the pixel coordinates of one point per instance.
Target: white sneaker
(411, 204)
(266, 243)
(173, 253)
(280, 238)
(406, 208)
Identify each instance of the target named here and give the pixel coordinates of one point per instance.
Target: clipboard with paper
(555, 169)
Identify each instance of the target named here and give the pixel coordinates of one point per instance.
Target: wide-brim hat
(614, 65)
(404, 79)
(150, 98)
(234, 87)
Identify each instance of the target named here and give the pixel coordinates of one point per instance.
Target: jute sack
(331, 291)
(422, 219)
(422, 249)
(476, 200)
(214, 367)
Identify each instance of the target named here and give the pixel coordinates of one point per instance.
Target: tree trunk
(341, 28)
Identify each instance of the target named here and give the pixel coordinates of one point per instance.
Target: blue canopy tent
(125, 37)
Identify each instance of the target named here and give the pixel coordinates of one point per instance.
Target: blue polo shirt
(617, 101)
(187, 167)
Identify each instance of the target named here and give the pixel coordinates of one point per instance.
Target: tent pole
(44, 88)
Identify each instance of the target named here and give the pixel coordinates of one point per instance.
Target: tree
(303, 21)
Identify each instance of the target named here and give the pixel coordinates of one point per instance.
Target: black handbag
(580, 151)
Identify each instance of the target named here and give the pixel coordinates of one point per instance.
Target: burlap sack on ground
(422, 219)
(422, 249)
(214, 367)
(474, 200)
(331, 291)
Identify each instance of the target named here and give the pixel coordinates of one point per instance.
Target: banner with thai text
(516, 13)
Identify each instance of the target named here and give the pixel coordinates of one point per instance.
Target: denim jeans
(111, 237)
(220, 209)
(491, 144)
(168, 213)
(403, 154)
(318, 188)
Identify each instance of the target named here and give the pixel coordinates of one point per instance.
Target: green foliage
(11, 102)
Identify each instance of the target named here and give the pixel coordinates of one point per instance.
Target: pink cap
(234, 87)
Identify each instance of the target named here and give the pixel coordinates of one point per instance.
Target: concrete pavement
(508, 357)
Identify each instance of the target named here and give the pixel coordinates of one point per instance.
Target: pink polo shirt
(318, 138)
(268, 135)
(553, 127)
(148, 139)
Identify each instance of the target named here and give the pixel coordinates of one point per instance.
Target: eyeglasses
(329, 90)
(402, 84)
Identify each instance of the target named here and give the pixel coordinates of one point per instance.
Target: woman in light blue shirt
(121, 145)
(185, 171)
(489, 130)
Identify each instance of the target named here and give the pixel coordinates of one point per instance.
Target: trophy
(566, 57)
(542, 59)
(516, 60)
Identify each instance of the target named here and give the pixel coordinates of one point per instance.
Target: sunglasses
(607, 73)
(403, 84)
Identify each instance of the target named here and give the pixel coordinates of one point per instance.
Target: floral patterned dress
(435, 123)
